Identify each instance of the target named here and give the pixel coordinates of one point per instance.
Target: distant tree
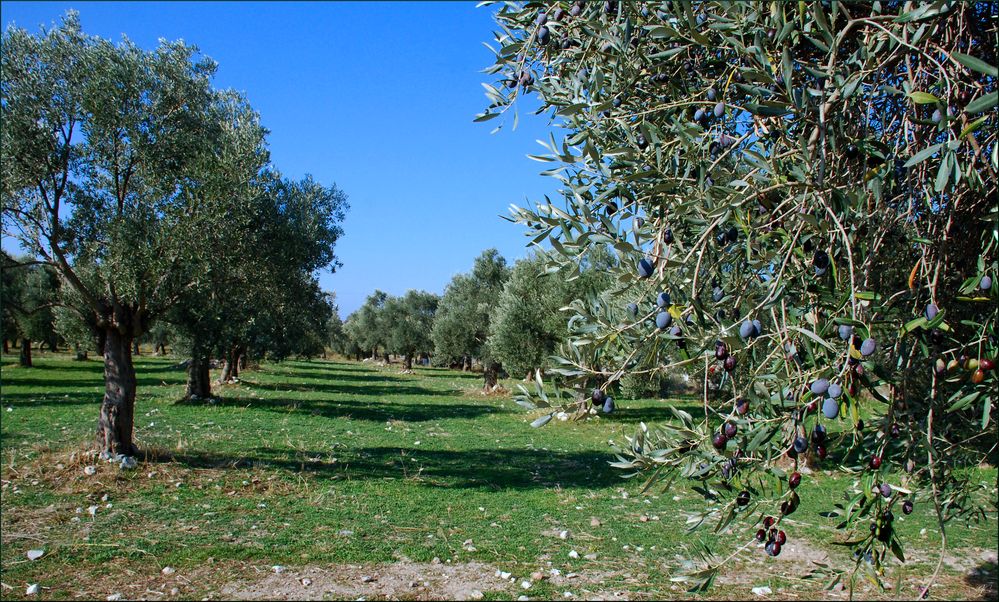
(461, 327)
(9, 289)
(367, 325)
(531, 319)
(31, 295)
(101, 148)
(409, 321)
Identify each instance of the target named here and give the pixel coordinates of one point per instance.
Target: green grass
(332, 463)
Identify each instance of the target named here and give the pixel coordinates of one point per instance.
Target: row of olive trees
(505, 319)
(148, 197)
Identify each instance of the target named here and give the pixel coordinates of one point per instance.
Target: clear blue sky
(376, 97)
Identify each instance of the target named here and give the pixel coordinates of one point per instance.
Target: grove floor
(322, 479)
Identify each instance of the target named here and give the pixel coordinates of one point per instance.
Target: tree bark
(135, 347)
(100, 343)
(115, 426)
(490, 375)
(6, 346)
(199, 382)
(409, 361)
(241, 362)
(81, 353)
(466, 364)
(25, 359)
(53, 346)
(159, 349)
(385, 357)
(226, 370)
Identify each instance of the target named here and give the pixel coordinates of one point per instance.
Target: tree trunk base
(25, 357)
(199, 384)
(117, 417)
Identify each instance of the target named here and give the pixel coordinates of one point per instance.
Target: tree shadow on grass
(358, 409)
(490, 469)
(143, 379)
(366, 388)
(986, 577)
(370, 377)
(30, 400)
(477, 376)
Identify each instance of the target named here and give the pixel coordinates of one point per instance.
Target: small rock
(762, 591)
(306, 582)
(503, 575)
(168, 570)
(537, 575)
(128, 463)
(414, 584)
(92, 511)
(476, 595)
(594, 522)
(33, 589)
(174, 591)
(35, 554)
(114, 597)
(277, 568)
(90, 470)
(643, 519)
(555, 572)
(436, 560)
(367, 578)
(345, 532)
(525, 584)
(573, 554)
(563, 535)
(523, 599)
(567, 594)
(590, 557)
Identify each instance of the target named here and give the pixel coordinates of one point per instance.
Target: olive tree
(812, 187)
(533, 312)
(409, 324)
(30, 291)
(461, 326)
(102, 145)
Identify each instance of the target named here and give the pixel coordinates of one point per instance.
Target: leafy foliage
(804, 181)
(466, 310)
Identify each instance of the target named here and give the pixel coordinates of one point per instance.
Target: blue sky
(377, 97)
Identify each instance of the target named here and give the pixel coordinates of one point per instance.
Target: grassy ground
(334, 470)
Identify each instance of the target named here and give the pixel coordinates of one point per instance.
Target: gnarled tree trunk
(6, 346)
(114, 428)
(241, 362)
(25, 358)
(100, 342)
(135, 348)
(199, 382)
(53, 346)
(409, 361)
(226, 370)
(466, 364)
(81, 352)
(491, 375)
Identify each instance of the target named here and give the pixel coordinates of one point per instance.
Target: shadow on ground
(494, 469)
(359, 409)
(985, 576)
